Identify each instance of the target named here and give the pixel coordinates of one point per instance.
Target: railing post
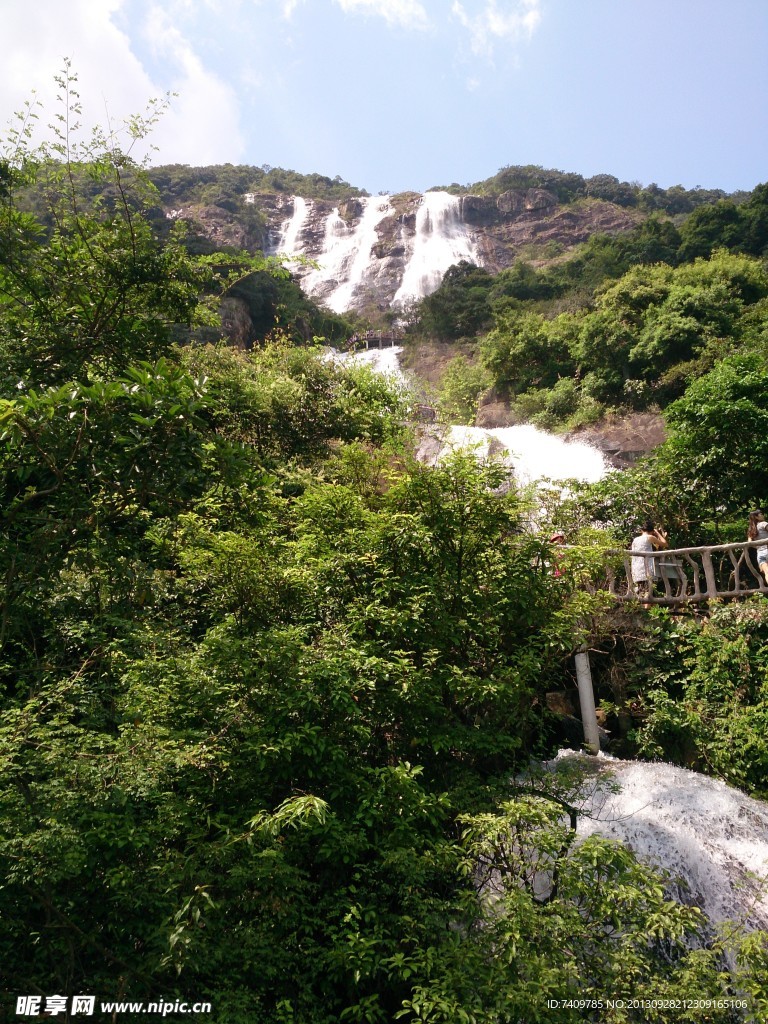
(587, 701)
(709, 574)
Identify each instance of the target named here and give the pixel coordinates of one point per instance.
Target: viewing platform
(683, 576)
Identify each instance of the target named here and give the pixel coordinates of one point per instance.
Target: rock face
(380, 252)
(624, 439)
(223, 228)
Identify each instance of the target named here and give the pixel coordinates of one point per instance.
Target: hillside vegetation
(628, 323)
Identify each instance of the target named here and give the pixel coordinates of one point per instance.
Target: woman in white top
(758, 530)
(643, 569)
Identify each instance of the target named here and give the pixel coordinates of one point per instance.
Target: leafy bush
(461, 388)
(705, 694)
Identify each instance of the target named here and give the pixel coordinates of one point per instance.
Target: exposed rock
(429, 445)
(479, 210)
(236, 322)
(562, 226)
(495, 414)
(496, 449)
(625, 439)
(539, 199)
(225, 229)
(350, 210)
(510, 202)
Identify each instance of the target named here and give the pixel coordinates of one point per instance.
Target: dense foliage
(570, 187)
(705, 696)
(226, 184)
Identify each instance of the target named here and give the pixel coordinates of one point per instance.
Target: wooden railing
(690, 575)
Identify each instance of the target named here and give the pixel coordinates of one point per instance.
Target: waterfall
(702, 831)
(346, 255)
(711, 838)
(441, 240)
(290, 232)
(382, 360)
(531, 453)
(350, 274)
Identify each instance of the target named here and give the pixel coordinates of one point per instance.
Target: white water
(290, 232)
(347, 268)
(699, 829)
(441, 240)
(707, 835)
(710, 838)
(382, 360)
(533, 454)
(346, 254)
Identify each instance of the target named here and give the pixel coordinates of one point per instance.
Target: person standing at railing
(649, 539)
(758, 530)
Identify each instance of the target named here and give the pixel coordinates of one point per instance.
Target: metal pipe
(587, 701)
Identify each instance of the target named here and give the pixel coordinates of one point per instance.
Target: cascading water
(441, 240)
(382, 360)
(709, 836)
(531, 453)
(290, 233)
(346, 255)
(700, 830)
(349, 274)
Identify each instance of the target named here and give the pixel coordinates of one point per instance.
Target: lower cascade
(381, 360)
(530, 453)
(711, 838)
(707, 834)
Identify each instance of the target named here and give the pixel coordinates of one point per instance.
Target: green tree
(256, 740)
(717, 431)
(703, 689)
(459, 308)
(711, 227)
(461, 387)
(88, 287)
(525, 349)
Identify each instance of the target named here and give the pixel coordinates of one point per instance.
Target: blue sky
(409, 94)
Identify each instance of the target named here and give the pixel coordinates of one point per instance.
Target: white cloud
(201, 126)
(407, 13)
(498, 21)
